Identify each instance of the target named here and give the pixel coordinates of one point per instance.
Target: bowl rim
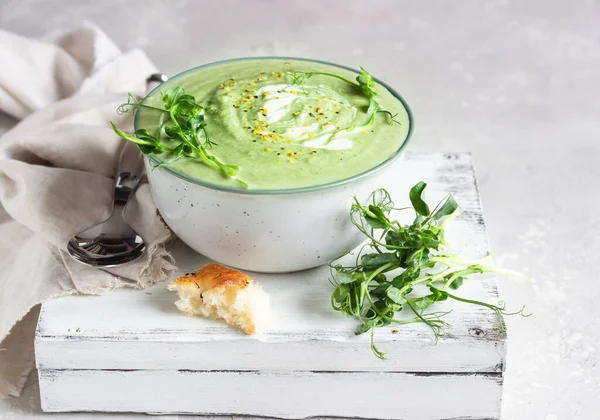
(282, 191)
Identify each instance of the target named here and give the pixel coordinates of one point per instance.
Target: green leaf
(380, 279)
(393, 238)
(407, 276)
(456, 283)
(376, 218)
(142, 133)
(401, 279)
(429, 239)
(392, 306)
(418, 220)
(172, 131)
(424, 302)
(375, 223)
(374, 106)
(147, 143)
(344, 277)
(366, 82)
(394, 294)
(438, 295)
(374, 261)
(379, 291)
(182, 150)
(449, 207)
(341, 293)
(416, 258)
(171, 96)
(378, 212)
(148, 150)
(417, 201)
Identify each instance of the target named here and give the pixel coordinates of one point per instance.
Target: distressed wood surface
(129, 329)
(291, 395)
(127, 339)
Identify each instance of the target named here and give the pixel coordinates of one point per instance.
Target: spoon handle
(129, 172)
(154, 80)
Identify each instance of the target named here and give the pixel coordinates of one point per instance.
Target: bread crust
(215, 276)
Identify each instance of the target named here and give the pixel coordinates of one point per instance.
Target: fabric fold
(56, 170)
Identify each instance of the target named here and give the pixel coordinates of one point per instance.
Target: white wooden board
(86, 339)
(293, 395)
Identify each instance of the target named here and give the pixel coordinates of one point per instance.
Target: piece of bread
(218, 292)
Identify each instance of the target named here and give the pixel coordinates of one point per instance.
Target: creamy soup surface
(284, 134)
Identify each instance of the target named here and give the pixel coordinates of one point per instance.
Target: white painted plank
(355, 355)
(144, 330)
(290, 395)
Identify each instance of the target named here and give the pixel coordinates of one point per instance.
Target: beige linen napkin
(56, 167)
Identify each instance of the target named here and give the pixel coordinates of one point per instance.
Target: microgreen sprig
(382, 281)
(181, 135)
(364, 82)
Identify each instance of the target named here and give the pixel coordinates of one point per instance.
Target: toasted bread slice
(218, 292)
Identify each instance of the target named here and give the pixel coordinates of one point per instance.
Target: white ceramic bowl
(273, 230)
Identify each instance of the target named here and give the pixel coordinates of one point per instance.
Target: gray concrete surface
(515, 82)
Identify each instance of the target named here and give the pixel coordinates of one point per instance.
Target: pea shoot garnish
(181, 131)
(364, 82)
(397, 258)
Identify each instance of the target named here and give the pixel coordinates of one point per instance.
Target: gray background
(517, 83)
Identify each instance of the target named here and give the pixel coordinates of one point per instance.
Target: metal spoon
(113, 242)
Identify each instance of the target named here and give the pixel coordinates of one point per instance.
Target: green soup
(283, 133)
